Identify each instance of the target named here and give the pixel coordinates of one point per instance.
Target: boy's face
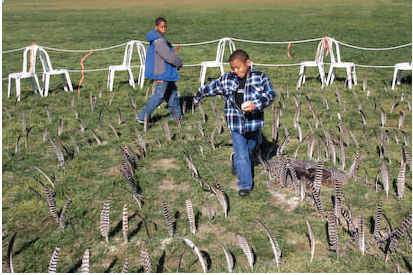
(162, 27)
(240, 67)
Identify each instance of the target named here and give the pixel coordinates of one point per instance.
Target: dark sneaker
(141, 122)
(233, 164)
(243, 192)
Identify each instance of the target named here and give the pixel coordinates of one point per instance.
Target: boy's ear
(248, 62)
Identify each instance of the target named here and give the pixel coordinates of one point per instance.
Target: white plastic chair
(318, 62)
(126, 65)
(406, 66)
(29, 71)
(48, 71)
(218, 61)
(349, 66)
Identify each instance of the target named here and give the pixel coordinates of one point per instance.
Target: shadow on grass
(26, 245)
(161, 263)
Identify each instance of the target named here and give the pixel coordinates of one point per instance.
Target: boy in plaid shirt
(247, 92)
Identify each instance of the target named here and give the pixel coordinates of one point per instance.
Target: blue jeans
(243, 146)
(164, 91)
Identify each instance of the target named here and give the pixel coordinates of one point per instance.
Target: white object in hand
(245, 105)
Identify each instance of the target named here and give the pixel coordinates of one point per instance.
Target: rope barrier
(216, 40)
(277, 42)
(373, 49)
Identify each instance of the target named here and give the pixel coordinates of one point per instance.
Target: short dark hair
(239, 54)
(159, 20)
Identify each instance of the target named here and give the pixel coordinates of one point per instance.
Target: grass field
(92, 174)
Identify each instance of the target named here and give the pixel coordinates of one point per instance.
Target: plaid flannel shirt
(258, 89)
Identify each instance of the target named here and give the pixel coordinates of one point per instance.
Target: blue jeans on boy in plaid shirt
(243, 145)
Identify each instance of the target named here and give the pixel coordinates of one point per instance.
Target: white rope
(375, 66)
(277, 42)
(82, 51)
(276, 65)
(374, 49)
(216, 40)
(197, 43)
(15, 50)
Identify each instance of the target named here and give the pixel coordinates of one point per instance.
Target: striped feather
(114, 130)
(223, 201)
(45, 175)
(401, 119)
(404, 228)
(385, 178)
(317, 201)
(274, 245)
(51, 203)
(105, 219)
(98, 141)
(361, 238)
(168, 219)
(54, 260)
(49, 116)
(332, 231)
(312, 239)
(318, 177)
(383, 117)
(60, 127)
(62, 217)
(125, 267)
(229, 258)
(243, 243)
(342, 154)
(85, 262)
(338, 198)
(10, 268)
(190, 214)
(197, 252)
(145, 259)
(377, 222)
(401, 180)
(407, 157)
(125, 223)
(59, 153)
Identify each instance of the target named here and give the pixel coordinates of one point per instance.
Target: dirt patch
(165, 164)
(168, 184)
(286, 201)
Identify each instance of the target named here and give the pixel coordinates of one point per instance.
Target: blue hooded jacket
(161, 62)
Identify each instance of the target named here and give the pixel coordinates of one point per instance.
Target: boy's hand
(248, 106)
(196, 102)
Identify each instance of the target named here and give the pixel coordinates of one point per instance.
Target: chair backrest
(221, 48)
(45, 60)
(30, 67)
(333, 44)
(127, 57)
(141, 51)
(320, 52)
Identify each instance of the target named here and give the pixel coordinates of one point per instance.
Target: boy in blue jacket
(162, 66)
(247, 92)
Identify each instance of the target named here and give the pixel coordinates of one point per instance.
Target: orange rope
(83, 69)
(288, 50)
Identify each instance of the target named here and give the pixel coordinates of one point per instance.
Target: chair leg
(9, 87)
(38, 84)
(46, 85)
(203, 73)
(108, 81)
(322, 75)
(18, 89)
(111, 79)
(300, 77)
(64, 82)
(142, 76)
(394, 78)
(349, 81)
(68, 81)
(354, 75)
(399, 77)
(303, 80)
(131, 79)
(329, 77)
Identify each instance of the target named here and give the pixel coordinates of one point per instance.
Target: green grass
(93, 174)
